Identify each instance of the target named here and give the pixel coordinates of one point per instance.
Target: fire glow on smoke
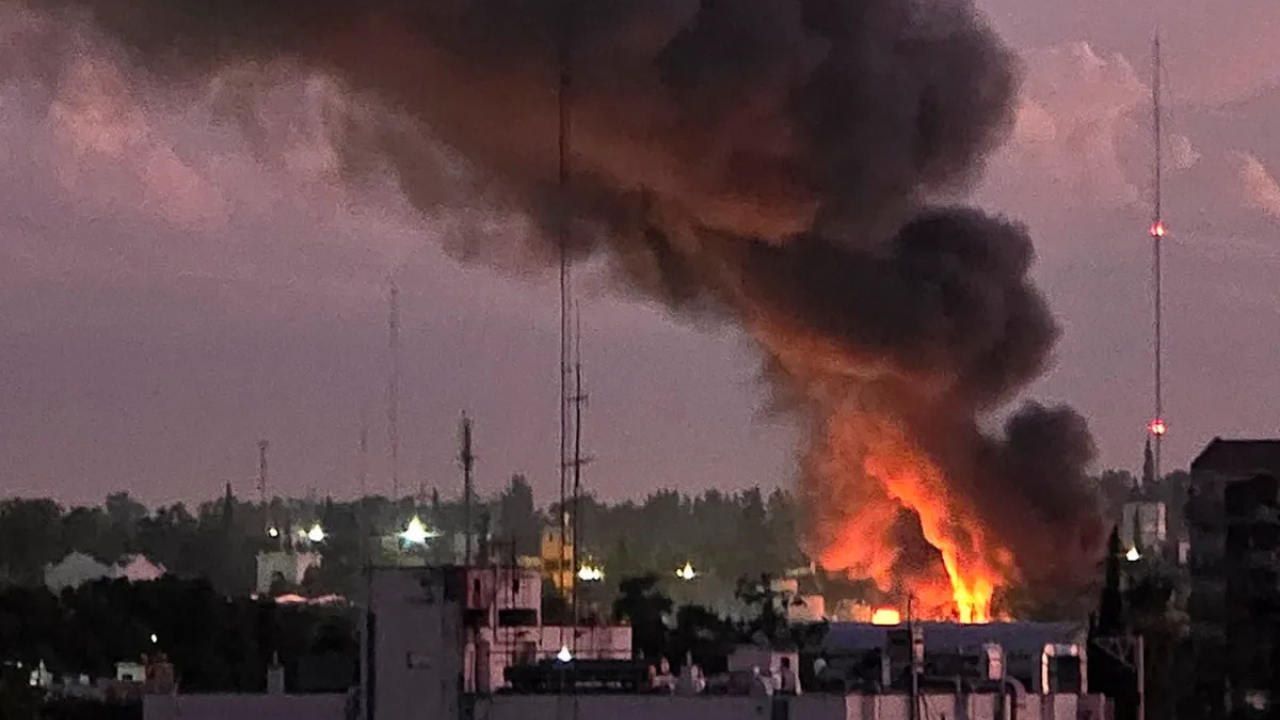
(780, 166)
(890, 475)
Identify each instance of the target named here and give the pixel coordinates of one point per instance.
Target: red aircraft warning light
(1157, 427)
(1158, 229)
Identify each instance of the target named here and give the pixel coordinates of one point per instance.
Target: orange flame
(886, 616)
(875, 470)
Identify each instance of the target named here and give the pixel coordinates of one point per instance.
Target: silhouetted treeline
(216, 643)
(724, 536)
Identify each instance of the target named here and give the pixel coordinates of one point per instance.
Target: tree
(29, 539)
(641, 603)
(702, 636)
(769, 619)
(1111, 608)
(518, 516)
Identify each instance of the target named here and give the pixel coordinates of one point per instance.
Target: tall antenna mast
(272, 530)
(563, 98)
(468, 462)
(393, 391)
(579, 399)
(363, 472)
(1157, 428)
(262, 470)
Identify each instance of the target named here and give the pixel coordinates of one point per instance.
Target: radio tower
(393, 391)
(563, 100)
(579, 399)
(468, 460)
(1157, 427)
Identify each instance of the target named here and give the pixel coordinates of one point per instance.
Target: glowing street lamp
(686, 573)
(590, 573)
(1133, 555)
(273, 532)
(417, 533)
(316, 533)
(564, 655)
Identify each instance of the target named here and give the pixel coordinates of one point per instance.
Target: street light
(316, 533)
(590, 573)
(417, 533)
(686, 573)
(273, 532)
(1133, 555)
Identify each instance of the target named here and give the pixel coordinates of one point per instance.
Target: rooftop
(1238, 457)
(1027, 638)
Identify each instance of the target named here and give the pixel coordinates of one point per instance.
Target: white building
(77, 568)
(288, 565)
(490, 617)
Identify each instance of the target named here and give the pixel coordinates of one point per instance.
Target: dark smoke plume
(777, 163)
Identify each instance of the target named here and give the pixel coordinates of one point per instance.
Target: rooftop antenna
(468, 460)
(1157, 428)
(393, 390)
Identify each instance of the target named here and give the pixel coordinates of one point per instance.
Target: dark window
(517, 618)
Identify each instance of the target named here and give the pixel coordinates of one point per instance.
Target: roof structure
(1238, 457)
(1017, 638)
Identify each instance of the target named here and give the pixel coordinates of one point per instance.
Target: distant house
(136, 568)
(78, 568)
(73, 571)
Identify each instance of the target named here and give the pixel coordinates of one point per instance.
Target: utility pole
(468, 460)
(914, 712)
(1130, 651)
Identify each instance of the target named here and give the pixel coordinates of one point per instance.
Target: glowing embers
(886, 616)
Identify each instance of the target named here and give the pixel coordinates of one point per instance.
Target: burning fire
(886, 616)
(879, 471)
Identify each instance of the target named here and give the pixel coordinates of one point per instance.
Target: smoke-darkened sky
(169, 296)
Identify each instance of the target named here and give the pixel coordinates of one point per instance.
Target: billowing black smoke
(777, 162)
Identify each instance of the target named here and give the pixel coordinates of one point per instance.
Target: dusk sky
(167, 297)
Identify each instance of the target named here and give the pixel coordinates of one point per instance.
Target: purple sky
(168, 298)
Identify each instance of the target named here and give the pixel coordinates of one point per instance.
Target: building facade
(1233, 520)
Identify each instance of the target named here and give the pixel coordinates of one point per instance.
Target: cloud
(1260, 189)
(1082, 136)
(111, 181)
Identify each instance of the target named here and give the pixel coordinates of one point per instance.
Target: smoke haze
(787, 165)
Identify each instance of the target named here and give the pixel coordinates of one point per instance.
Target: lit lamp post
(590, 573)
(416, 533)
(687, 572)
(316, 534)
